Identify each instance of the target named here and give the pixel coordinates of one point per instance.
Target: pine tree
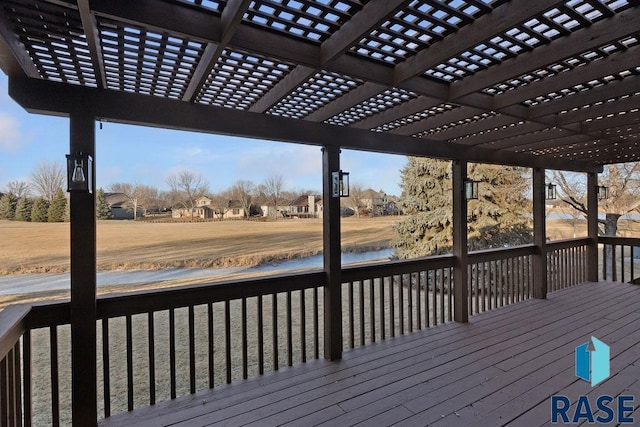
(55, 213)
(8, 204)
(39, 210)
(23, 209)
(499, 217)
(103, 210)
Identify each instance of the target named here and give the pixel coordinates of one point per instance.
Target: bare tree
(623, 181)
(140, 196)
(220, 203)
(356, 194)
(242, 191)
(273, 187)
(47, 179)
(18, 188)
(186, 187)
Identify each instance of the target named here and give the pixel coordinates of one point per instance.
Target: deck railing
(566, 263)
(620, 259)
(499, 277)
(394, 298)
(156, 345)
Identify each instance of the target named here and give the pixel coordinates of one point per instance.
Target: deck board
(500, 369)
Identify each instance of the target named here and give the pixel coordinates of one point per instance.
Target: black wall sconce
(550, 192)
(79, 173)
(603, 192)
(340, 184)
(471, 189)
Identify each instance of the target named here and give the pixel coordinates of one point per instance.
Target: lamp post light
(550, 192)
(340, 184)
(603, 192)
(471, 189)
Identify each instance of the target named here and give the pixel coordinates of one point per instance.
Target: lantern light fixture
(340, 184)
(550, 193)
(603, 192)
(471, 189)
(79, 173)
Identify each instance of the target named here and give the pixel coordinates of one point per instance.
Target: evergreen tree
(499, 217)
(103, 210)
(39, 210)
(23, 209)
(55, 213)
(8, 204)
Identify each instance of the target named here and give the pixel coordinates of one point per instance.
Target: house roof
(118, 200)
(303, 200)
(542, 83)
(372, 194)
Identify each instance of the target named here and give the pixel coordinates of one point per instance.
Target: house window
(236, 211)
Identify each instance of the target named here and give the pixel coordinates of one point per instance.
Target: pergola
(539, 84)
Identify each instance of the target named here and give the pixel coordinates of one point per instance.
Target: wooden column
(460, 249)
(331, 257)
(592, 227)
(83, 283)
(539, 235)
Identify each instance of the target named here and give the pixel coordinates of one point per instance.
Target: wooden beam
(460, 242)
(609, 65)
(439, 120)
(602, 110)
(14, 58)
(502, 18)
(354, 97)
(83, 282)
(492, 126)
(413, 106)
(611, 124)
(331, 254)
(539, 235)
(90, 27)
(231, 18)
(57, 98)
(295, 78)
(598, 34)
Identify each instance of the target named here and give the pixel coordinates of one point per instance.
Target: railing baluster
(316, 323)
(27, 388)
(410, 301)
(351, 317)
(382, 308)
(362, 317)
(289, 332)
(418, 301)
(400, 304)
(440, 279)
(4, 392)
(192, 350)
(614, 271)
(434, 295)
(129, 345)
(260, 315)
(152, 359)
(106, 382)
(245, 357)
(274, 325)
(227, 338)
(372, 311)
(392, 315)
(303, 327)
(55, 398)
(172, 351)
(210, 344)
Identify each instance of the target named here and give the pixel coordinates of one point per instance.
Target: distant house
(121, 207)
(235, 210)
(203, 210)
(305, 206)
(374, 202)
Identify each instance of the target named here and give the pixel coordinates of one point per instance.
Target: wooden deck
(499, 369)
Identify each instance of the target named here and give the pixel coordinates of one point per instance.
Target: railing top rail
(567, 243)
(390, 268)
(12, 326)
(612, 240)
(500, 253)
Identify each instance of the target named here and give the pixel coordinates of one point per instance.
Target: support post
(592, 227)
(83, 283)
(460, 249)
(331, 257)
(539, 235)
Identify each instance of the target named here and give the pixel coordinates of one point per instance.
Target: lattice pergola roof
(540, 82)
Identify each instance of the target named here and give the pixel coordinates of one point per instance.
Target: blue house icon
(592, 361)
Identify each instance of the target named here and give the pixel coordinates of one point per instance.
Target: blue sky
(148, 156)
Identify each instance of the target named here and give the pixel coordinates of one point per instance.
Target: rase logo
(592, 365)
(592, 361)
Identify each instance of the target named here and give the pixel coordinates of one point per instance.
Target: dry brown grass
(42, 247)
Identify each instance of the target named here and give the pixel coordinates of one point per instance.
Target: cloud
(11, 139)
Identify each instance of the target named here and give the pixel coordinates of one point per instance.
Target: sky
(148, 156)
